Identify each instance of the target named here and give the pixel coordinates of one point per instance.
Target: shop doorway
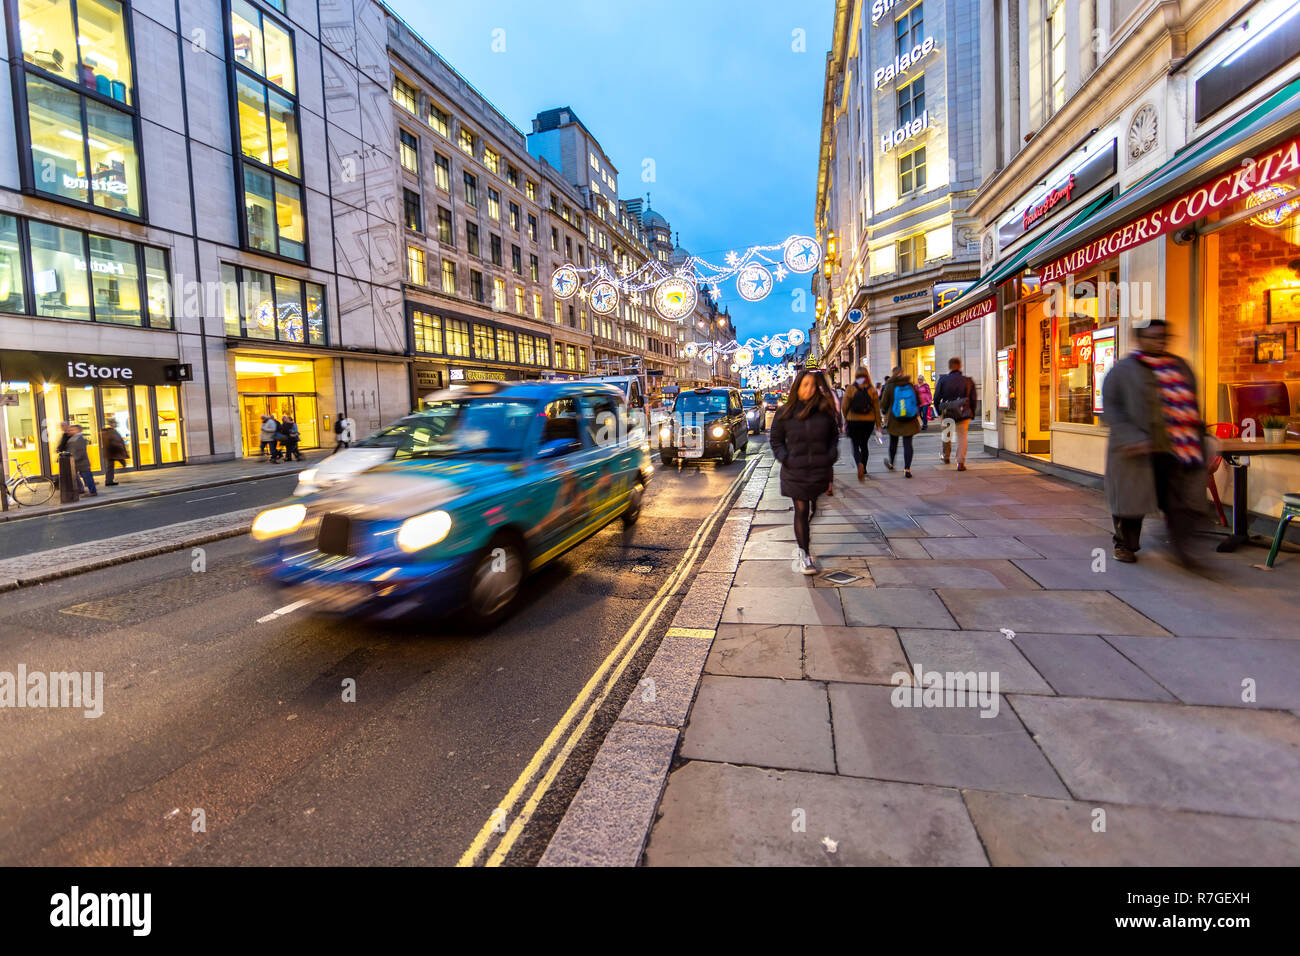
(302, 408)
(919, 362)
(1035, 385)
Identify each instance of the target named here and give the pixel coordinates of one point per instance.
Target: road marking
(210, 498)
(610, 671)
(702, 633)
(281, 612)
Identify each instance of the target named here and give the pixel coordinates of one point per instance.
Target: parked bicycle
(29, 490)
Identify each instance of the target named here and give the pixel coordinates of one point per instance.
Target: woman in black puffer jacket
(805, 440)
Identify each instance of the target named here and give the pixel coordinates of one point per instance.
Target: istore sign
(904, 63)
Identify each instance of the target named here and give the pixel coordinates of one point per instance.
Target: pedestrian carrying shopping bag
(905, 404)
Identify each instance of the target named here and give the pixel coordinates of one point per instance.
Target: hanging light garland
(674, 294)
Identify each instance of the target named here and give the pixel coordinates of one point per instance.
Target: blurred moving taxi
(705, 423)
(486, 485)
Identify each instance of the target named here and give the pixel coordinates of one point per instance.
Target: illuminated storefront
(278, 385)
(136, 395)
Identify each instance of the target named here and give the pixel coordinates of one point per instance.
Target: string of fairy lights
(674, 293)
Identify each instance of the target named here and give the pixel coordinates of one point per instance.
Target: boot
(862, 471)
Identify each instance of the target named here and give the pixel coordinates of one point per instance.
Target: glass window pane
(158, 288)
(315, 314)
(288, 309)
(230, 299)
(253, 140)
(59, 272)
(48, 38)
(115, 280)
(11, 268)
(288, 215)
(259, 209)
(58, 147)
(279, 56)
(258, 305)
(244, 27)
(284, 134)
(114, 166)
(105, 56)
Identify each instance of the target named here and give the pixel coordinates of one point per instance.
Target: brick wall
(1253, 260)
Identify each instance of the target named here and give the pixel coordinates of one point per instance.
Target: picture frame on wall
(1270, 347)
(1283, 305)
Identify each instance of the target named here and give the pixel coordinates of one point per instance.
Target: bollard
(67, 480)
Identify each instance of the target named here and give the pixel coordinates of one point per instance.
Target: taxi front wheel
(633, 506)
(494, 583)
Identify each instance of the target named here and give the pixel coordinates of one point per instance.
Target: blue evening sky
(711, 90)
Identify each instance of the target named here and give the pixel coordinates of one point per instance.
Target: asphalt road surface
(140, 514)
(213, 702)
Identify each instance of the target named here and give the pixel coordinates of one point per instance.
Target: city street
(213, 702)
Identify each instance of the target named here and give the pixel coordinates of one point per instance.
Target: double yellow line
(552, 754)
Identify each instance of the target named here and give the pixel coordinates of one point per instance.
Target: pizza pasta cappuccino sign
(1278, 163)
(972, 312)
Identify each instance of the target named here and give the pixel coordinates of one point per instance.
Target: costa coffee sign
(976, 310)
(1262, 170)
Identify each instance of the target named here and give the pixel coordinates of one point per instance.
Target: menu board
(1006, 371)
(1103, 358)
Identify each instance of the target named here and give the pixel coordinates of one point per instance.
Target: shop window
(448, 277)
(12, 297)
(261, 305)
(428, 332)
(911, 171)
(1086, 328)
(442, 172)
(457, 338)
(484, 343)
(115, 281)
(527, 349)
(59, 276)
(505, 346)
(408, 148)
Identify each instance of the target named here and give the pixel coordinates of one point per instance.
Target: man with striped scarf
(1155, 455)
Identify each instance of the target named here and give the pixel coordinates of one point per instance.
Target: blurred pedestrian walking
(76, 447)
(805, 440)
(902, 417)
(289, 428)
(954, 399)
(927, 401)
(861, 408)
(269, 429)
(112, 449)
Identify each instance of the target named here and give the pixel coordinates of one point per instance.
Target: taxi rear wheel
(633, 505)
(494, 583)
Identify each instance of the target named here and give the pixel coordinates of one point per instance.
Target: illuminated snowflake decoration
(564, 282)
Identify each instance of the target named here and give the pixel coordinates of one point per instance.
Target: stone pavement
(1142, 714)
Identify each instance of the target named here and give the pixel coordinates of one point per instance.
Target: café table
(1237, 452)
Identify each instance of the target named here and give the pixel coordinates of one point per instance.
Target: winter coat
(954, 385)
(923, 390)
(1134, 413)
(807, 449)
(290, 431)
(269, 429)
(899, 426)
(112, 445)
(872, 413)
(77, 448)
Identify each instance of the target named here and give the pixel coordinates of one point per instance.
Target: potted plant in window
(1274, 428)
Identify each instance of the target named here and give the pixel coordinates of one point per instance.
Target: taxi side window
(601, 414)
(561, 421)
(634, 394)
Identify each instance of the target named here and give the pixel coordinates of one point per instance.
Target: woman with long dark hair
(805, 440)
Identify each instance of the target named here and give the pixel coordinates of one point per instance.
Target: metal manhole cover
(840, 577)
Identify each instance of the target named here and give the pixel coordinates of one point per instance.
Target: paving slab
(978, 548)
(770, 574)
(868, 655)
(719, 815)
(758, 550)
(940, 573)
(1069, 545)
(1016, 527)
(757, 650)
(1018, 830)
(1199, 614)
(1078, 574)
(1084, 665)
(1215, 759)
(895, 607)
(759, 721)
(608, 819)
(783, 606)
(1047, 612)
(664, 693)
(908, 549)
(1210, 670)
(953, 747)
(967, 651)
(941, 526)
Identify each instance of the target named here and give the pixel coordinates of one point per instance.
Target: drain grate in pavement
(840, 577)
(643, 568)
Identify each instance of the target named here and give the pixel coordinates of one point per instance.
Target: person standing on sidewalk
(269, 427)
(291, 438)
(76, 447)
(861, 408)
(902, 417)
(927, 401)
(805, 440)
(1155, 450)
(954, 399)
(112, 447)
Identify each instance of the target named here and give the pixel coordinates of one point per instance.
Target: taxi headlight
(718, 431)
(307, 477)
(423, 530)
(665, 433)
(278, 521)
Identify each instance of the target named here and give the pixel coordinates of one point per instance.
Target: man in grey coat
(76, 447)
(1155, 455)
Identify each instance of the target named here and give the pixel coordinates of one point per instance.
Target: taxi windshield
(709, 403)
(770, 397)
(460, 427)
(749, 398)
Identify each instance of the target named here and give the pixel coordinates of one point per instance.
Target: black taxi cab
(705, 422)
